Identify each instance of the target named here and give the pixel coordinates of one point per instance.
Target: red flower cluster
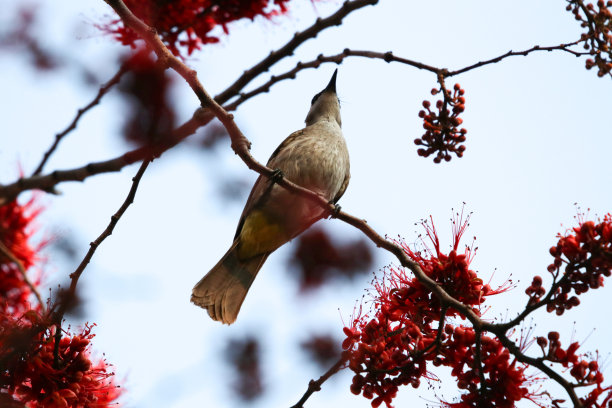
(442, 134)
(32, 374)
(34, 371)
(585, 372)
(505, 381)
(189, 23)
(586, 251)
(17, 255)
(393, 347)
(598, 38)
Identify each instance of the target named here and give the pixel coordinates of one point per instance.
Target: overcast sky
(539, 141)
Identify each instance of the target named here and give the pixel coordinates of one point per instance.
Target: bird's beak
(331, 87)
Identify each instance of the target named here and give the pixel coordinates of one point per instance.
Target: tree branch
(93, 246)
(535, 48)
(59, 136)
(314, 386)
(49, 181)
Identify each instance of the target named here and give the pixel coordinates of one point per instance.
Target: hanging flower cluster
(187, 24)
(35, 371)
(598, 38)
(442, 134)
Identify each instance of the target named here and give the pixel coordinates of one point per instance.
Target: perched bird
(316, 158)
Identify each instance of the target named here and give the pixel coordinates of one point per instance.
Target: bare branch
(58, 137)
(387, 57)
(93, 246)
(535, 48)
(314, 386)
(49, 181)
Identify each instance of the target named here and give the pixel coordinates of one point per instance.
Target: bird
(315, 157)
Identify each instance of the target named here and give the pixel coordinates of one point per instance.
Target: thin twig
(535, 48)
(314, 386)
(58, 314)
(387, 57)
(7, 252)
(58, 137)
(288, 49)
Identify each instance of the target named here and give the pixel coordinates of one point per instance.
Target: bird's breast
(318, 160)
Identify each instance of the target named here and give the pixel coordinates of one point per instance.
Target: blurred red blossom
(323, 349)
(442, 134)
(244, 355)
(38, 374)
(17, 254)
(146, 88)
(187, 24)
(319, 258)
(22, 34)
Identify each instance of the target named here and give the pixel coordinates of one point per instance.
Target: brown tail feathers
(222, 290)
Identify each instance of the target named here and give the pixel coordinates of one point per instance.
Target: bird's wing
(263, 184)
(343, 187)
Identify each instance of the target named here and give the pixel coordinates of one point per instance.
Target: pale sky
(539, 140)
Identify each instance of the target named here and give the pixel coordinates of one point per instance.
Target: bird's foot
(336, 210)
(277, 175)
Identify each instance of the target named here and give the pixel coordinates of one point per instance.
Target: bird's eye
(314, 98)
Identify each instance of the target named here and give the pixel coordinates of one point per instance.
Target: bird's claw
(336, 210)
(277, 175)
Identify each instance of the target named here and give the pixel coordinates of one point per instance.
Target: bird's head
(325, 105)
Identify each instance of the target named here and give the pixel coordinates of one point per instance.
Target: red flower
(395, 346)
(189, 23)
(35, 377)
(17, 254)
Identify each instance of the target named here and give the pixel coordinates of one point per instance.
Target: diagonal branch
(58, 314)
(59, 136)
(93, 246)
(48, 182)
(314, 386)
